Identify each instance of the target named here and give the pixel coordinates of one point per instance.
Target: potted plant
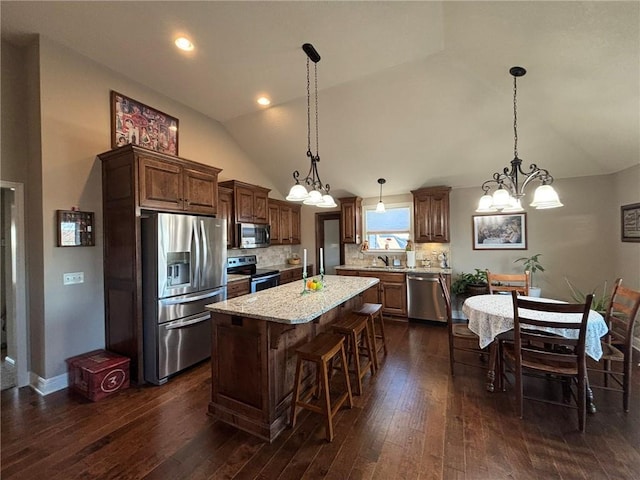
(470, 283)
(600, 303)
(533, 265)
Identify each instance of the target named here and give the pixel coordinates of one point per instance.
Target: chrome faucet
(385, 259)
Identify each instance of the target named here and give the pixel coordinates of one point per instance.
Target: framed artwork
(135, 123)
(507, 231)
(630, 222)
(75, 228)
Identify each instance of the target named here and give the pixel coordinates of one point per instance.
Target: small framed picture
(630, 222)
(135, 123)
(75, 228)
(500, 232)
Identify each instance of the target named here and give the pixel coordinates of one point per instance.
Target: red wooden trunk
(98, 374)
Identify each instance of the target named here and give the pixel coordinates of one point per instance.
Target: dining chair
(460, 337)
(509, 282)
(617, 345)
(563, 358)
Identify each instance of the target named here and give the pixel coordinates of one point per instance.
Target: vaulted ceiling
(416, 92)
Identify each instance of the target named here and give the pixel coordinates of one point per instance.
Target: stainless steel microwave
(253, 235)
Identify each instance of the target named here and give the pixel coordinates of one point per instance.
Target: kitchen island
(253, 349)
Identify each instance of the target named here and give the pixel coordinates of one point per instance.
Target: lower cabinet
(238, 287)
(290, 275)
(391, 291)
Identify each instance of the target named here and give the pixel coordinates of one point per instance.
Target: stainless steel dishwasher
(424, 297)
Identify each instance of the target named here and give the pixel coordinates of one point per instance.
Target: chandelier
(509, 187)
(318, 193)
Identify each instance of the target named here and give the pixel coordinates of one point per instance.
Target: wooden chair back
(509, 282)
(447, 297)
(621, 315)
(560, 353)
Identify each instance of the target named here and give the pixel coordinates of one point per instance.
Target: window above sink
(388, 232)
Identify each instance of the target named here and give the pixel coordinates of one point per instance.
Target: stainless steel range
(261, 278)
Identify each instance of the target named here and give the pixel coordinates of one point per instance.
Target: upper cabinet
(250, 204)
(284, 218)
(172, 183)
(225, 210)
(351, 220)
(431, 214)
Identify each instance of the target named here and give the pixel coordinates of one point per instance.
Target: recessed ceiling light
(184, 43)
(264, 101)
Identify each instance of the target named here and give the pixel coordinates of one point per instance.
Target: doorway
(13, 294)
(328, 238)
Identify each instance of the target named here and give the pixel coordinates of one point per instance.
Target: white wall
(627, 254)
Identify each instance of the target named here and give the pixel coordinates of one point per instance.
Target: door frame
(19, 289)
(320, 218)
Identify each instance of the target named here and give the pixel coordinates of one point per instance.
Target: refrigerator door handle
(185, 323)
(197, 274)
(205, 249)
(191, 298)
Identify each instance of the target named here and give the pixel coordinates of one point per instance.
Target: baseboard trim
(45, 386)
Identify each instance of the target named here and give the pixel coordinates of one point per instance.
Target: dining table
(492, 315)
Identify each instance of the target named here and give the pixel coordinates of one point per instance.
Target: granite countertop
(236, 277)
(285, 266)
(286, 304)
(382, 268)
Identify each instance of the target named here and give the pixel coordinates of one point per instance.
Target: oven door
(262, 283)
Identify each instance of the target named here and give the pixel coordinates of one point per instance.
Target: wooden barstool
(373, 311)
(356, 327)
(321, 351)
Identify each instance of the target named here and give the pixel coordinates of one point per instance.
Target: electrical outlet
(72, 278)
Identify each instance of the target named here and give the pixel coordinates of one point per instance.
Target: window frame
(388, 206)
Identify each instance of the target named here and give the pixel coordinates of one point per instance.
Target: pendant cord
(308, 110)
(515, 120)
(316, 89)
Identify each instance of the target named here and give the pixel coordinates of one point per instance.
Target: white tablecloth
(491, 315)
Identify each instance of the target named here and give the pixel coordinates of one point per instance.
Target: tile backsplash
(426, 254)
(274, 255)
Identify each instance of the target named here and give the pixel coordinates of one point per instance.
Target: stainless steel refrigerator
(184, 261)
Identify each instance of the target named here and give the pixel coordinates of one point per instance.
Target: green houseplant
(471, 283)
(599, 302)
(533, 265)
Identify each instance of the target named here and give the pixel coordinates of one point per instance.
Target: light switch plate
(72, 278)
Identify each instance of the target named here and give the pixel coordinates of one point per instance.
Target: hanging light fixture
(509, 188)
(380, 207)
(318, 194)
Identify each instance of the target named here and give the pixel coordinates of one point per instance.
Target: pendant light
(318, 195)
(380, 207)
(510, 188)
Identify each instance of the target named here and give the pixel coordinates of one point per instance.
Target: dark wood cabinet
(135, 180)
(274, 222)
(236, 288)
(250, 202)
(292, 275)
(351, 220)
(284, 218)
(431, 214)
(391, 292)
(225, 210)
(176, 185)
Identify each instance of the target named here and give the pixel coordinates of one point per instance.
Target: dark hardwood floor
(413, 421)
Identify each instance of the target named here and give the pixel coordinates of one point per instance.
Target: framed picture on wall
(500, 232)
(135, 123)
(630, 222)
